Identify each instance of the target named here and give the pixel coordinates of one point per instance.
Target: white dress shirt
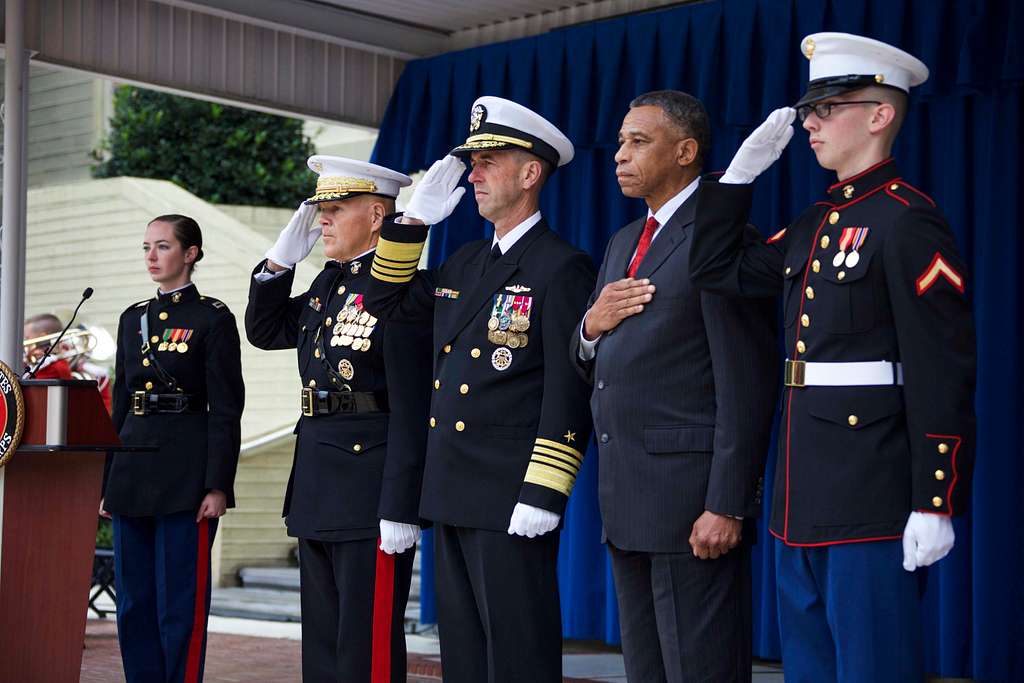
(513, 235)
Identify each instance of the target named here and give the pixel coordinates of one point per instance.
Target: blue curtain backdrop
(962, 143)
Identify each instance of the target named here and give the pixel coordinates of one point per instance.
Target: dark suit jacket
(682, 400)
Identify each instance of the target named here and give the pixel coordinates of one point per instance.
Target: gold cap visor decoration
(341, 178)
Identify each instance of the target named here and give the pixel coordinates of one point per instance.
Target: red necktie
(643, 246)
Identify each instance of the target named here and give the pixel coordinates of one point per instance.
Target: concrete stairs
(272, 594)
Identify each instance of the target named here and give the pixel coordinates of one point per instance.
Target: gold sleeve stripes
(553, 465)
(396, 261)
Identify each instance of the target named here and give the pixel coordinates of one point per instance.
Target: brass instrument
(84, 342)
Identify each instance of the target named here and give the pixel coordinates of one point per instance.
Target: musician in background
(41, 331)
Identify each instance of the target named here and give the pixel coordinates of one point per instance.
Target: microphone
(49, 350)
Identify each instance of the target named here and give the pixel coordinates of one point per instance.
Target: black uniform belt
(145, 403)
(316, 402)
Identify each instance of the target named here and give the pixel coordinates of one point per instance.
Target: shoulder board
(213, 303)
(137, 304)
(908, 195)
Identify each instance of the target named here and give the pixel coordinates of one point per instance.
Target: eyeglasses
(824, 109)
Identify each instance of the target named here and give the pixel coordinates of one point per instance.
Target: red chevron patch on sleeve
(776, 237)
(939, 267)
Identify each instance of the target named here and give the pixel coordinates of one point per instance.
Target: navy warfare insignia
(12, 413)
(517, 289)
(476, 117)
(509, 320)
(353, 326)
(501, 359)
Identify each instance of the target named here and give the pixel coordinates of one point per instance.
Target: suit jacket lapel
(671, 236)
(495, 276)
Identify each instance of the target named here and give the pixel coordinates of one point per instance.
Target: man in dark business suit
(684, 387)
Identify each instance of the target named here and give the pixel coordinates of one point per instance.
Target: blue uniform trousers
(162, 568)
(848, 613)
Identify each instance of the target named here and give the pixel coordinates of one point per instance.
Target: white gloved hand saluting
(296, 239)
(761, 148)
(397, 537)
(438, 192)
(927, 538)
(531, 521)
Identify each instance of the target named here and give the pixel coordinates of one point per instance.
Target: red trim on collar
(863, 173)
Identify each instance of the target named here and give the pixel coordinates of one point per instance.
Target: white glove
(397, 537)
(531, 521)
(296, 239)
(761, 148)
(927, 539)
(437, 194)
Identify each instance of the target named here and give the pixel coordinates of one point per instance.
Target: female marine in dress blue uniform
(179, 390)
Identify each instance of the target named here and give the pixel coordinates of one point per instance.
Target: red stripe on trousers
(195, 645)
(383, 606)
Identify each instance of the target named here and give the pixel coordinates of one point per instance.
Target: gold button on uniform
(163, 315)
(475, 353)
(437, 384)
(460, 425)
(464, 389)
(853, 420)
(894, 186)
(788, 270)
(433, 422)
(801, 347)
(943, 448)
(841, 274)
(341, 290)
(805, 320)
(154, 339)
(357, 447)
(940, 475)
(312, 383)
(447, 348)
(833, 217)
(809, 292)
(149, 385)
(825, 241)
(145, 362)
(937, 502)
(816, 266)
(328, 322)
(316, 353)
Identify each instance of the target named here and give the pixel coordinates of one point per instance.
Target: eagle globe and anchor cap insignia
(12, 413)
(477, 117)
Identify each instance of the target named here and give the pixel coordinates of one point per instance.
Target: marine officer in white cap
(877, 432)
(353, 492)
(509, 421)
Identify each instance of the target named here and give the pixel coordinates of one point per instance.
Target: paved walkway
(235, 654)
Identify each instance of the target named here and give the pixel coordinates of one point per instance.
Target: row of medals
(352, 329)
(508, 330)
(180, 347)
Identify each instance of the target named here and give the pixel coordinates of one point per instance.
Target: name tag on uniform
(445, 293)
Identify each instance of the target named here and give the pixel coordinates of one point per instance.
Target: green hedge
(222, 154)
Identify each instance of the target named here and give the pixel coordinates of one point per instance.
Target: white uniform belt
(866, 373)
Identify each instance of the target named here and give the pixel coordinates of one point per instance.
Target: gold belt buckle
(307, 401)
(139, 403)
(795, 371)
